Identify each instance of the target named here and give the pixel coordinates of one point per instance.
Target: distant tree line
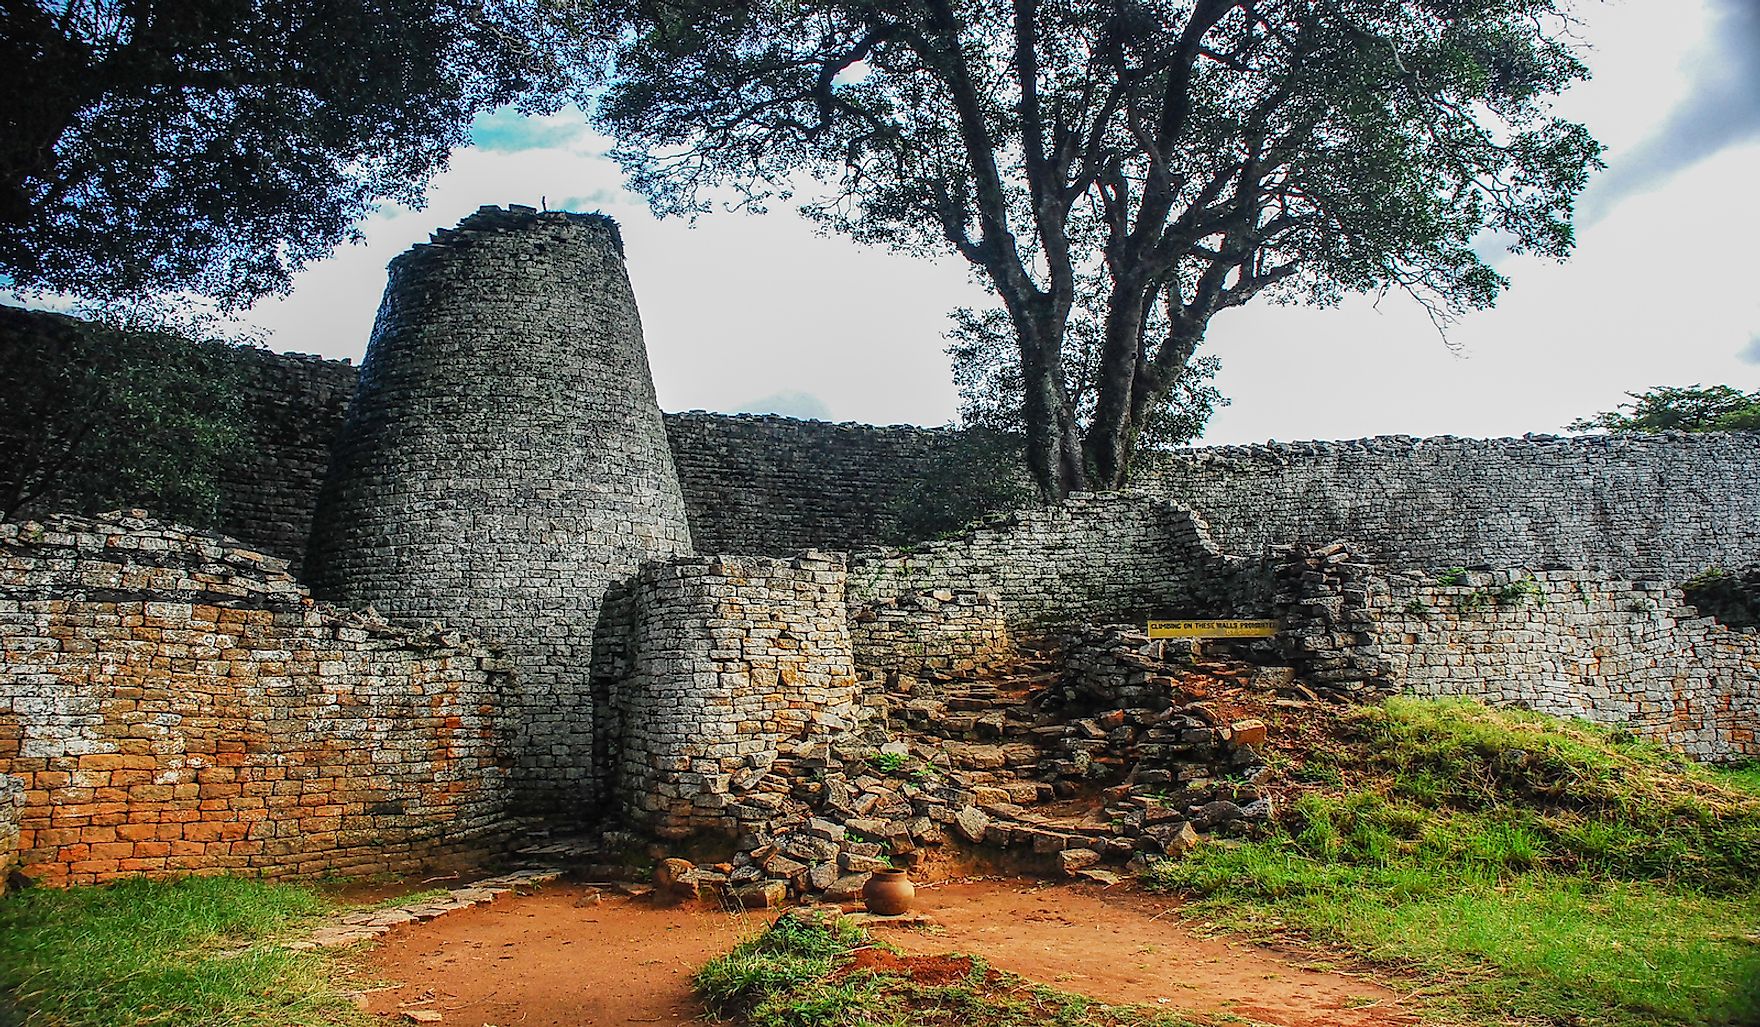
(1689, 408)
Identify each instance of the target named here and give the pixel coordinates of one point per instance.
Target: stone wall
(293, 405)
(174, 703)
(935, 629)
(729, 658)
(770, 485)
(1573, 643)
(504, 463)
(1666, 506)
(1091, 559)
(1582, 644)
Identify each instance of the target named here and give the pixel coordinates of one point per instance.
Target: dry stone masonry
(935, 629)
(173, 703)
(1667, 506)
(730, 657)
(504, 462)
(772, 486)
(818, 705)
(293, 405)
(1092, 558)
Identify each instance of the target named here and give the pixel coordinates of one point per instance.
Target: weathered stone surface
(763, 895)
(971, 823)
(503, 463)
(177, 703)
(1072, 860)
(726, 659)
(1175, 838)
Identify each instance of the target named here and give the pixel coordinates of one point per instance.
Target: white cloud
(1750, 353)
(1660, 291)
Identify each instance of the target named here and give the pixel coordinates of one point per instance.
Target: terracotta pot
(889, 893)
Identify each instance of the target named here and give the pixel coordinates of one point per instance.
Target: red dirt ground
(552, 960)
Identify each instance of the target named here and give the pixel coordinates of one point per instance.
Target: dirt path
(1126, 947)
(546, 960)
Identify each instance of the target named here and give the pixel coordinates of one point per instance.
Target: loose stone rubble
(1084, 759)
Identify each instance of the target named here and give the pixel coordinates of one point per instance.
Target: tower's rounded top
(488, 221)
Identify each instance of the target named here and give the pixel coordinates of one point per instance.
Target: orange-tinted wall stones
(171, 703)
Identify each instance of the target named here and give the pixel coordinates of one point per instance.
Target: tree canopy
(216, 146)
(1692, 408)
(1149, 162)
(98, 418)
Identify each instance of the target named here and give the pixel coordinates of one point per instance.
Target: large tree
(216, 146)
(1191, 154)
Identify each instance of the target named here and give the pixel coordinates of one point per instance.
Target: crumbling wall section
(729, 658)
(1095, 558)
(174, 703)
(935, 629)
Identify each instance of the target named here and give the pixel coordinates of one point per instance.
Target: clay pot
(889, 893)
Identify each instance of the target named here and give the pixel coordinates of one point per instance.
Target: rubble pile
(1087, 756)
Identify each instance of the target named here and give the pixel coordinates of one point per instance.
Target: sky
(760, 313)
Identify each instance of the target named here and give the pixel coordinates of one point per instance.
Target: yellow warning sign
(1212, 628)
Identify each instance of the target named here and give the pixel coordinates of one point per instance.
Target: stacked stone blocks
(174, 703)
(936, 629)
(730, 658)
(503, 464)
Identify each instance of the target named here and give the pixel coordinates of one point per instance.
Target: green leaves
(101, 418)
(1696, 408)
(215, 147)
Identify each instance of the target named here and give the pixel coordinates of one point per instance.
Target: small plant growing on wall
(1520, 591)
(1418, 608)
(1452, 576)
(1478, 599)
(889, 762)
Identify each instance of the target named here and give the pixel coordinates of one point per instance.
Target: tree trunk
(1108, 444)
(1054, 447)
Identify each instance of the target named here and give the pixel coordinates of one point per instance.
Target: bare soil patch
(1125, 947)
(556, 959)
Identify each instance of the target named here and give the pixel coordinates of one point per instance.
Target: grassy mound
(808, 971)
(186, 953)
(1532, 870)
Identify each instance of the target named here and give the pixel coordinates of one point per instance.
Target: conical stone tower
(503, 463)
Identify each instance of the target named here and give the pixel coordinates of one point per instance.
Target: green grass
(1741, 777)
(1528, 869)
(789, 977)
(193, 952)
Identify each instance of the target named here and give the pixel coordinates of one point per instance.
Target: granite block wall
(1095, 558)
(294, 405)
(1579, 643)
(935, 629)
(729, 658)
(1575, 643)
(503, 463)
(770, 485)
(1665, 506)
(174, 703)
